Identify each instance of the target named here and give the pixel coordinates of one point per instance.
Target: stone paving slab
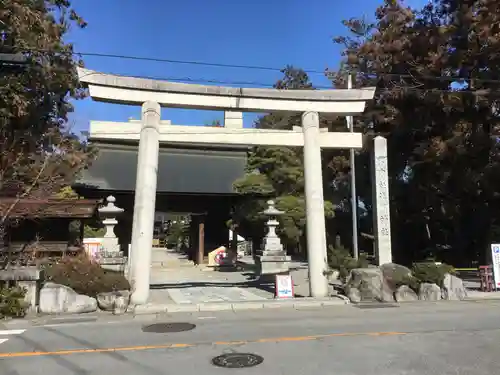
(209, 294)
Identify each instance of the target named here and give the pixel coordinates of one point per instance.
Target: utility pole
(354, 197)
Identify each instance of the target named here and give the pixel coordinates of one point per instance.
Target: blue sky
(242, 32)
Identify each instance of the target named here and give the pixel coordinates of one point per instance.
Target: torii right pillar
(381, 202)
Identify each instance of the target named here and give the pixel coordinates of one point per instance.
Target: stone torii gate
(152, 94)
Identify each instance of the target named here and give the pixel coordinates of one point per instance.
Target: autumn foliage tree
(436, 70)
(38, 152)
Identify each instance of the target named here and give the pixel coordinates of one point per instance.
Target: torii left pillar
(144, 202)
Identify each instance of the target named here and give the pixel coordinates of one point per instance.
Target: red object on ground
(486, 278)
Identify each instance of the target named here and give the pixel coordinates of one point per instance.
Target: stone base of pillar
(110, 245)
(112, 260)
(270, 264)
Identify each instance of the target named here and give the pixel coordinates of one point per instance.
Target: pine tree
(277, 173)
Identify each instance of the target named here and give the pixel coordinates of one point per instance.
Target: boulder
(333, 275)
(368, 284)
(405, 294)
(394, 274)
(453, 288)
(117, 302)
(429, 292)
(353, 294)
(60, 299)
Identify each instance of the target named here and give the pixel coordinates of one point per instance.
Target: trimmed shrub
(12, 302)
(85, 277)
(431, 272)
(341, 260)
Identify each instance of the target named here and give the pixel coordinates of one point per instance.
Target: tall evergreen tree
(277, 173)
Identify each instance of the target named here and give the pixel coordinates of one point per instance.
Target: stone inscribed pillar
(381, 202)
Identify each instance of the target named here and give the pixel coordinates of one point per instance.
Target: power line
(414, 77)
(199, 80)
(157, 59)
(268, 68)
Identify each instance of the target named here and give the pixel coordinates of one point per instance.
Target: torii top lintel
(135, 91)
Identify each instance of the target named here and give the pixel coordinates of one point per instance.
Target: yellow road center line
(181, 345)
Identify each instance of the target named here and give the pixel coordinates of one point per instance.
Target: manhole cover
(168, 327)
(376, 306)
(237, 360)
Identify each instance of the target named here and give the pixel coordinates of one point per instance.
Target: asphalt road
(427, 338)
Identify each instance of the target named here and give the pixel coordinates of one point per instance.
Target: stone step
(162, 258)
(171, 264)
(167, 254)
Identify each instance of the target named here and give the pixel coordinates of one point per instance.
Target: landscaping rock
(117, 302)
(333, 275)
(405, 294)
(453, 288)
(429, 292)
(59, 299)
(394, 274)
(353, 294)
(368, 284)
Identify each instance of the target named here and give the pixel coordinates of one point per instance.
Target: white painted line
(3, 340)
(207, 317)
(72, 324)
(12, 332)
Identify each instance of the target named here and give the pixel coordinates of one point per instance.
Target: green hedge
(430, 272)
(340, 259)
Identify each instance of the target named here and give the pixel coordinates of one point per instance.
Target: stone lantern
(108, 213)
(272, 258)
(110, 256)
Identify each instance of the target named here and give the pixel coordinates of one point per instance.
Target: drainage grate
(168, 327)
(237, 360)
(376, 306)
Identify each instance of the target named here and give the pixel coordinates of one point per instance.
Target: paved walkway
(197, 285)
(211, 294)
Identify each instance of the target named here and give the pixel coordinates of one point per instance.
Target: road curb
(239, 306)
(481, 299)
(153, 311)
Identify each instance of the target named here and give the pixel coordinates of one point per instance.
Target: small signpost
(284, 286)
(495, 257)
